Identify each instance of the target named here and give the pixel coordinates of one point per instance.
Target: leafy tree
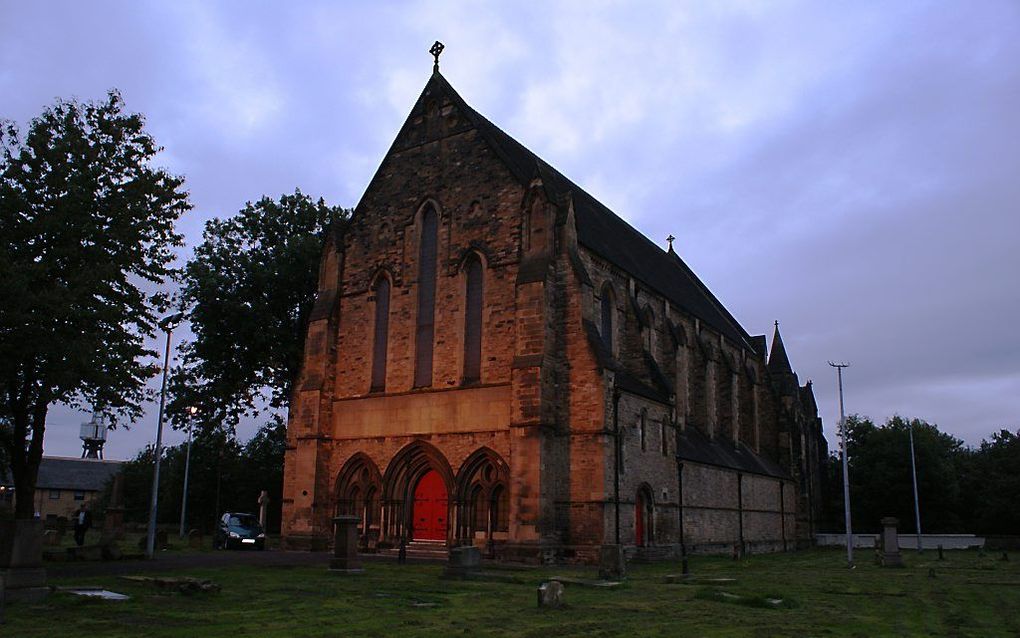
(881, 483)
(991, 482)
(248, 291)
(88, 237)
(224, 476)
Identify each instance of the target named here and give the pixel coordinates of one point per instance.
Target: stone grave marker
(21, 543)
(550, 594)
(195, 539)
(345, 546)
(464, 561)
(891, 543)
(113, 520)
(612, 563)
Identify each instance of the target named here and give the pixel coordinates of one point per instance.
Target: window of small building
(79, 495)
(381, 337)
(473, 319)
(427, 253)
(54, 495)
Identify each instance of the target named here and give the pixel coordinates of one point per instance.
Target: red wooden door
(430, 507)
(639, 520)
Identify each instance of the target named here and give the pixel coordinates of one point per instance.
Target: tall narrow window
(426, 299)
(650, 321)
(382, 331)
(473, 320)
(644, 430)
(607, 317)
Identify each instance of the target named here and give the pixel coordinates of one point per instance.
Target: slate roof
(696, 447)
(602, 231)
(89, 475)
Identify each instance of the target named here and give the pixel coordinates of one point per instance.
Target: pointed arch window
(607, 317)
(426, 298)
(650, 327)
(382, 332)
(473, 319)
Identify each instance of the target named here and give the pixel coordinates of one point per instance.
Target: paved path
(173, 561)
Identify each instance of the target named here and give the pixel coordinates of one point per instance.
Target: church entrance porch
(430, 508)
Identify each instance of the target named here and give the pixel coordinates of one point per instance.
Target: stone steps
(426, 550)
(650, 554)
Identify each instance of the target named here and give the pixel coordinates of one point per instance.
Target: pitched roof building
(64, 484)
(495, 357)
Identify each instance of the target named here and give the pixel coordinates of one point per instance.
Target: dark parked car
(237, 531)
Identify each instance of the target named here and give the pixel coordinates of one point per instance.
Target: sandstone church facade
(496, 358)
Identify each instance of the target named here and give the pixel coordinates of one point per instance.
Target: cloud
(849, 169)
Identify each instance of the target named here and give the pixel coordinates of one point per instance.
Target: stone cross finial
(437, 48)
(670, 241)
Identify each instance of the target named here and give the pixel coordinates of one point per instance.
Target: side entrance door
(639, 520)
(430, 507)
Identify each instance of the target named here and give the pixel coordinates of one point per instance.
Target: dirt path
(166, 562)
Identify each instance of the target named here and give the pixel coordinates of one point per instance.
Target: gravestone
(550, 594)
(891, 543)
(464, 561)
(161, 542)
(113, 520)
(51, 538)
(195, 539)
(263, 508)
(21, 543)
(612, 563)
(345, 546)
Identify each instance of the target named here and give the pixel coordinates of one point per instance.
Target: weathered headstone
(113, 520)
(550, 594)
(891, 543)
(345, 546)
(161, 542)
(195, 539)
(464, 561)
(51, 538)
(21, 544)
(263, 507)
(612, 563)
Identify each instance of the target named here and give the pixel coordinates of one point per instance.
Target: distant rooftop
(66, 473)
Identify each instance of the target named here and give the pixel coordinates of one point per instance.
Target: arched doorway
(482, 499)
(416, 486)
(356, 494)
(430, 507)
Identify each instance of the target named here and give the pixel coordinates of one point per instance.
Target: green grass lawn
(970, 595)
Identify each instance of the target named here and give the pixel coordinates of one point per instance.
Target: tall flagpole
(846, 472)
(913, 470)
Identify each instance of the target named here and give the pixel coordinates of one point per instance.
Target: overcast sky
(850, 169)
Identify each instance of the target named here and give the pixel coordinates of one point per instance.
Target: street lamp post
(846, 472)
(913, 470)
(187, 467)
(167, 325)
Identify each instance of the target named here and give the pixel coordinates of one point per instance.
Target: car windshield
(243, 521)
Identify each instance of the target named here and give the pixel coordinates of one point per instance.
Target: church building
(496, 358)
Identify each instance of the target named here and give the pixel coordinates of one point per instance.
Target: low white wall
(907, 541)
